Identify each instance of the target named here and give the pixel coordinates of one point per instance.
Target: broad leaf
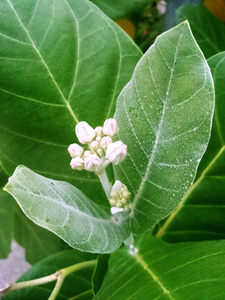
(76, 284)
(200, 216)
(6, 223)
(163, 271)
(119, 9)
(61, 61)
(63, 209)
(206, 28)
(165, 115)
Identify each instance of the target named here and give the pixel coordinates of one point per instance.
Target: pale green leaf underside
(165, 115)
(66, 211)
(61, 61)
(163, 271)
(200, 216)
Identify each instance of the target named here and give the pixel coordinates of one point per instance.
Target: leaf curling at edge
(165, 117)
(66, 211)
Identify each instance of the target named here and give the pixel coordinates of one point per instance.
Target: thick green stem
(105, 182)
(59, 276)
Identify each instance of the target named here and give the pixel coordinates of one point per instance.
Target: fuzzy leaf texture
(200, 216)
(61, 62)
(66, 211)
(164, 114)
(164, 271)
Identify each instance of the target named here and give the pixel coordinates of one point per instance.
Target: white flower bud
(106, 140)
(110, 127)
(85, 133)
(86, 153)
(93, 163)
(99, 131)
(77, 163)
(75, 150)
(116, 152)
(94, 146)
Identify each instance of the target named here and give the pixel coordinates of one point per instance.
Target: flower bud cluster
(101, 148)
(119, 196)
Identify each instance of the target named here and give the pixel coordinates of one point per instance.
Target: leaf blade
(167, 135)
(66, 211)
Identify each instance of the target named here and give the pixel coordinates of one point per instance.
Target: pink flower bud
(85, 133)
(77, 163)
(93, 163)
(75, 150)
(110, 127)
(116, 152)
(106, 140)
(99, 131)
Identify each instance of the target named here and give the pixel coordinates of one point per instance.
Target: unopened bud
(110, 127)
(75, 150)
(86, 153)
(106, 140)
(99, 131)
(116, 152)
(93, 163)
(94, 146)
(77, 163)
(85, 133)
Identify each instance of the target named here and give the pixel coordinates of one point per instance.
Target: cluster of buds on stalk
(101, 148)
(119, 196)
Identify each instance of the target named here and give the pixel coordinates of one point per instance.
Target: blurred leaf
(63, 209)
(200, 216)
(99, 272)
(55, 72)
(164, 271)
(165, 115)
(6, 223)
(127, 26)
(207, 29)
(119, 9)
(76, 284)
(217, 7)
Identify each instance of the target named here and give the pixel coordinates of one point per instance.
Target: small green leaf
(76, 284)
(6, 223)
(63, 209)
(200, 216)
(163, 271)
(119, 9)
(207, 29)
(164, 115)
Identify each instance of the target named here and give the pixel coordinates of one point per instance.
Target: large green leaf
(200, 215)
(76, 284)
(164, 271)
(119, 9)
(63, 209)
(207, 29)
(61, 61)
(165, 115)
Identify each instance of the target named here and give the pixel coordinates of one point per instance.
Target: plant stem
(105, 182)
(59, 276)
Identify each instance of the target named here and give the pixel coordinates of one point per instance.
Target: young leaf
(164, 271)
(207, 29)
(61, 61)
(66, 211)
(76, 284)
(200, 215)
(164, 114)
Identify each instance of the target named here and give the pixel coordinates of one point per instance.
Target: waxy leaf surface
(200, 216)
(207, 29)
(61, 62)
(164, 115)
(77, 284)
(63, 209)
(164, 271)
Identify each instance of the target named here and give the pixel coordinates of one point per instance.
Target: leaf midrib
(44, 63)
